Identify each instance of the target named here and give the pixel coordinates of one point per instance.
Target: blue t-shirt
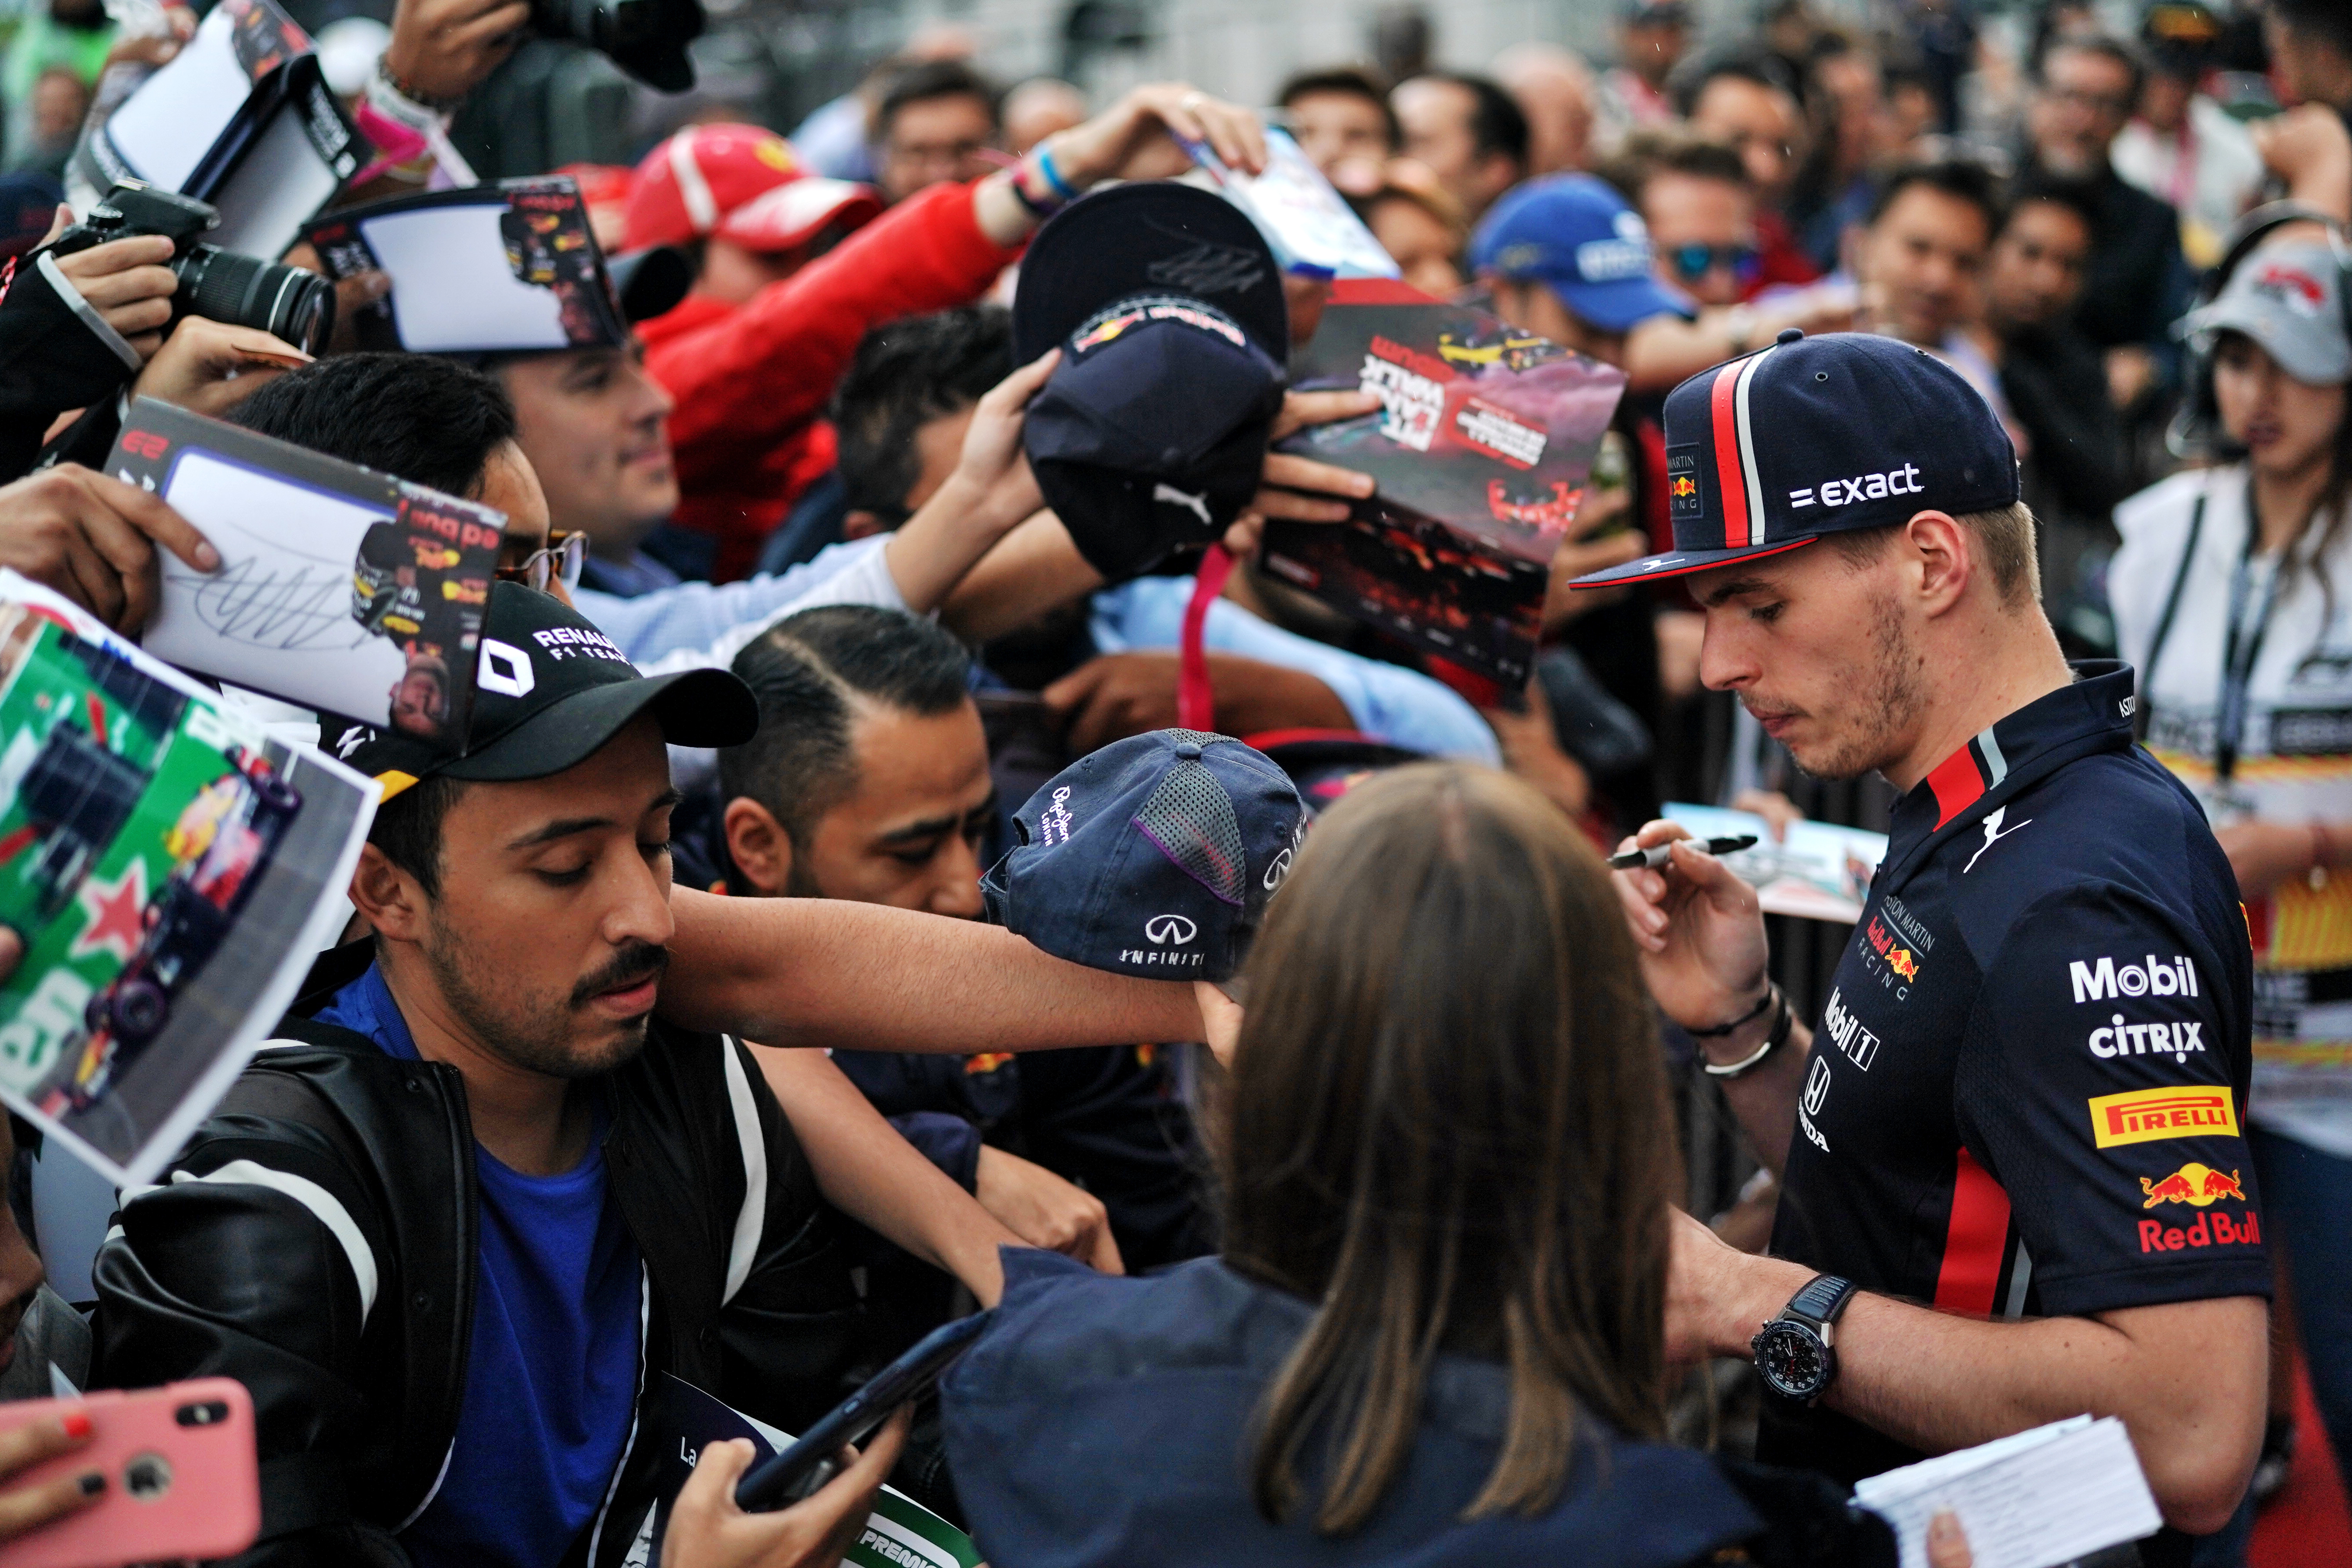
(551, 1379)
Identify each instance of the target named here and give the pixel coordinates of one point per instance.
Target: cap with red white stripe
(1815, 435)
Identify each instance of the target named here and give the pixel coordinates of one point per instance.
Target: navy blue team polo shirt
(2028, 1088)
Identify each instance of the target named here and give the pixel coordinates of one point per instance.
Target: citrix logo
(1900, 482)
(2174, 976)
(2122, 1039)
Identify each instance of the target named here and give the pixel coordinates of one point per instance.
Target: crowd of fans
(1433, 1163)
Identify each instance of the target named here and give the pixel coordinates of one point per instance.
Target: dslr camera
(295, 306)
(647, 39)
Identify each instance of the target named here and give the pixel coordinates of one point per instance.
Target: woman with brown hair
(1436, 1334)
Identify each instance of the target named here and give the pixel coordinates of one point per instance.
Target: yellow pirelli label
(2145, 1115)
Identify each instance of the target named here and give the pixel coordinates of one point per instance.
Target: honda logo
(1817, 1087)
(1169, 930)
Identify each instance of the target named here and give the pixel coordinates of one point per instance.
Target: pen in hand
(1656, 855)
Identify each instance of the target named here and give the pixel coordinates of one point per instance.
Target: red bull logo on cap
(2145, 1115)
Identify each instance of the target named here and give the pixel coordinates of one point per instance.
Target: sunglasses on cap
(1693, 262)
(562, 559)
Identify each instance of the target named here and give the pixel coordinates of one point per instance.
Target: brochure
(900, 1532)
(169, 872)
(1483, 449)
(241, 118)
(379, 585)
(1308, 225)
(496, 268)
(2036, 1500)
(1820, 872)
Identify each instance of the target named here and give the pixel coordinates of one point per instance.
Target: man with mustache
(452, 1222)
(2048, 997)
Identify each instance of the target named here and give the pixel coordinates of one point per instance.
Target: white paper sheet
(165, 128)
(443, 299)
(277, 188)
(284, 587)
(2032, 1501)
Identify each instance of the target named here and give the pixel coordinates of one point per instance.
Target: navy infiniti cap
(1150, 434)
(1815, 435)
(1156, 856)
(549, 690)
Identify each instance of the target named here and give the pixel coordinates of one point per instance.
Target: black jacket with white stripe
(315, 1240)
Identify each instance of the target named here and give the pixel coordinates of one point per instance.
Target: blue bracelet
(1045, 167)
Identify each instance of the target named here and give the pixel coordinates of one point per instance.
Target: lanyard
(2242, 648)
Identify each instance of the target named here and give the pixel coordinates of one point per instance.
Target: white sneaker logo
(1993, 835)
(1197, 504)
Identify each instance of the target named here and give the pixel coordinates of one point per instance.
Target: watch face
(1794, 1363)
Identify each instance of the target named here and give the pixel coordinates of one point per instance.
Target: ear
(761, 848)
(1942, 558)
(860, 524)
(387, 898)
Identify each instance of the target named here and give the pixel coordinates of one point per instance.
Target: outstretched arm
(821, 971)
(2188, 1378)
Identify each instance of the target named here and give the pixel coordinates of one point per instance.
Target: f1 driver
(2014, 1188)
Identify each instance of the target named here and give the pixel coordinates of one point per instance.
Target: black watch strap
(1822, 1299)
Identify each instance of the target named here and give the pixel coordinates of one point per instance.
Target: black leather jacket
(315, 1240)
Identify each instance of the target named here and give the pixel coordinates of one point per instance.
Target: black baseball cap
(549, 690)
(1817, 436)
(1156, 856)
(1150, 434)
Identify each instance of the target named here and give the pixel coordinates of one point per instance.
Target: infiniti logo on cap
(1165, 929)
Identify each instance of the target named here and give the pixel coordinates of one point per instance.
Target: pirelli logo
(2145, 1115)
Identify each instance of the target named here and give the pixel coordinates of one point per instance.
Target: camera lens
(292, 305)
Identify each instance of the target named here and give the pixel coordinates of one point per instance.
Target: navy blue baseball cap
(1577, 235)
(1815, 435)
(1155, 856)
(1150, 434)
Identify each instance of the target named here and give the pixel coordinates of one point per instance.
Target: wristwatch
(1796, 1353)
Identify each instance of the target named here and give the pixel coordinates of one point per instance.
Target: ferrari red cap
(741, 183)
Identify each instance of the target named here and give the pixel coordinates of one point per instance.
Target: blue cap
(1577, 233)
(1155, 856)
(1815, 435)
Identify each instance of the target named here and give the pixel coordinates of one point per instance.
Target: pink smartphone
(181, 1476)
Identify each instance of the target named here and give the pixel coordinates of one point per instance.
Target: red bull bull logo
(2197, 1186)
(1903, 963)
(2146, 1115)
(2192, 1183)
(1684, 486)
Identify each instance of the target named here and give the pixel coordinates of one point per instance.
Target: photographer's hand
(206, 366)
(91, 537)
(126, 282)
(442, 50)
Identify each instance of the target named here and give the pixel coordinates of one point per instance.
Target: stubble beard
(1886, 699)
(531, 1031)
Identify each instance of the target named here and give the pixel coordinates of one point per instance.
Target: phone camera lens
(206, 1413)
(148, 1477)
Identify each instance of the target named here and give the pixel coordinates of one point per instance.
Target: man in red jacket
(752, 374)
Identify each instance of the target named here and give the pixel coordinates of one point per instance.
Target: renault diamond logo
(1166, 931)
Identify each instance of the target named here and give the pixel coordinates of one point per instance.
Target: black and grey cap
(550, 690)
(1156, 856)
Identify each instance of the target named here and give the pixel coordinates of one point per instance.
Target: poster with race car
(502, 268)
(343, 589)
(1483, 449)
(167, 873)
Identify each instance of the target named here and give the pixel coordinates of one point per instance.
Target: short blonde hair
(2005, 533)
